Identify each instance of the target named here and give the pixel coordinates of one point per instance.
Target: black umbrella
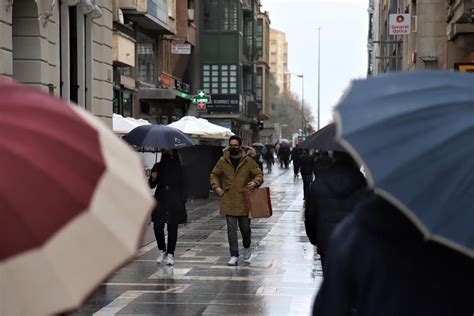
(154, 137)
(324, 139)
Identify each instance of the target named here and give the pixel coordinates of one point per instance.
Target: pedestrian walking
(334, 193)
(378, 263)
(284, 156)
(234, 172)
(168, 178)
(307, 167)
(258, 157)
(295, 157)
(269, 158)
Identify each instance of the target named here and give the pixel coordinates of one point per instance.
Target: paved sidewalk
(281, 279)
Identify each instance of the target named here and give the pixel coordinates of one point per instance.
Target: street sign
(180, 49)
(199, 100)
(400, 24)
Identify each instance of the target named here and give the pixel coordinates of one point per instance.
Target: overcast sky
(344, 28)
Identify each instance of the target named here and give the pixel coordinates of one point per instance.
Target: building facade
(441, 36)
(161, 36)
(279, 60)
(229, 67)
(39, 46)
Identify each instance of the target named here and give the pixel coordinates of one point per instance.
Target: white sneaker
(169, 260)
(247, 254)
(161, 256)
(233, 261)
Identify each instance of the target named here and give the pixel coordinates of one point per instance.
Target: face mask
(234, 151)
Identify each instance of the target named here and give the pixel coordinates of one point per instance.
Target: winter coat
(268, 156)
(379, 264)
(333, 195)
(306, 164)
(295, 155)
(170, 193)
(284, 153)
(234, 182)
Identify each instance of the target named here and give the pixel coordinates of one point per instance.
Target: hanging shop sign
(400, 24)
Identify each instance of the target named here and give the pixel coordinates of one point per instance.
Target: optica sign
(400, 24)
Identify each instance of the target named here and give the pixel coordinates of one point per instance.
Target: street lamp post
(302, 101)
(319, 73)
(302, 106)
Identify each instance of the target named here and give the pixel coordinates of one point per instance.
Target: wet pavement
(281, 279)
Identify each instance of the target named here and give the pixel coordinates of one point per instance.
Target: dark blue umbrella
(155, 136)
(414, 132)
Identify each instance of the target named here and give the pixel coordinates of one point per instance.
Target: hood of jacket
(245, 151)
(342, 180)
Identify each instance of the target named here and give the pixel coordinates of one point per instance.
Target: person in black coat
(170, 194)
(269, 158)
(378, 263)
(334, 193)
(295, 157)
(306, 168)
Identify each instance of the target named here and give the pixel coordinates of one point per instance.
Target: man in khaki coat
(234, 173)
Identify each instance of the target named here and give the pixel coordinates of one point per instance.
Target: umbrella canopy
(158, 136)
(414, 132)
(201, 128)
(123, 125)
(73, 202)
(324, 139)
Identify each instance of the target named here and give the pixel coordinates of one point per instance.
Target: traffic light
(260, 125)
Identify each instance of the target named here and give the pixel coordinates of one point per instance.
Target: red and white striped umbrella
(73, 202)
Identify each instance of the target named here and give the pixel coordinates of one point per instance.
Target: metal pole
(302, 107)
(319, 74)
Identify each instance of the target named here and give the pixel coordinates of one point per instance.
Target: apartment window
(259, 39)
(229, 15)
(146, 60)
(220, 15)
(211, 14)
(219, 79)
(248, 82)
(259, 85)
